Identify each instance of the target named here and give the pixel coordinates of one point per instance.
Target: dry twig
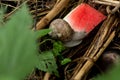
(60, 5)
(47, 76)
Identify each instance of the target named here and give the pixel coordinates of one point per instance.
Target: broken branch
(60, 5)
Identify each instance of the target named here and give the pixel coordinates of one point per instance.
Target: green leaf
(57, 48)
(47, 62)
(8, 78)
(65, 61)
(42, 32)
(17, 46)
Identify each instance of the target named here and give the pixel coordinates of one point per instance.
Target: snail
(61, 30)
(76, 25)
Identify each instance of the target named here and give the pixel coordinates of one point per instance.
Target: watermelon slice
(84, 18)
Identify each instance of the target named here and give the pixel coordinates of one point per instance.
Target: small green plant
(47, 59)
(58, 47)
(47, 63)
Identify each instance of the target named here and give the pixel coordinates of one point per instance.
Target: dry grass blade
(103, 38)
(107, 2)
(47, 76)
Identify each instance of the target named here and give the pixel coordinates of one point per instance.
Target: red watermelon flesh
(84, 17)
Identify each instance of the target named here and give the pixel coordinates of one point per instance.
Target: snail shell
(61, 30)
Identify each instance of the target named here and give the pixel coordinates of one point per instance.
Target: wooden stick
(55, 11)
